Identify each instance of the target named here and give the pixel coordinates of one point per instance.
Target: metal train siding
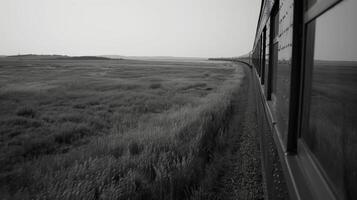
(305, 64)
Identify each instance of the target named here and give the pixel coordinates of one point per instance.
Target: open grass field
(110, 129)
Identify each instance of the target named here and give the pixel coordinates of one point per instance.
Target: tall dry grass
(164, 157)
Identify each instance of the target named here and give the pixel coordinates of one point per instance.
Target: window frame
(306, 60)
(309, 163)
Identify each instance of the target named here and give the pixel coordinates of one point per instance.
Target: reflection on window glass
(283, 72)
(262, 57)
(332, 135)
(258, 56)
(274, 27)
(266, 65)
(310, 3)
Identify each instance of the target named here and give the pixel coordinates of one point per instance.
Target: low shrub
(117, 151)
(26, 111)
(39, 146)
(21, 122)
(70, 132)
(80, 106)
(134, 148)
(155, 85)
(194, 85)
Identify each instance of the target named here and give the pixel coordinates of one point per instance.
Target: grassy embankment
(112, 129)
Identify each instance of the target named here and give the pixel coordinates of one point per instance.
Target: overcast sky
(195, 28)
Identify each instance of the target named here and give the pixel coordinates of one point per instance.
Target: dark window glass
(273, 52)
(256, 56)
(310, 3)
(283, 70)
(260, 56)
(332, 129)
(262, 69)
(274, 64)
(276, 24)
(266, 65)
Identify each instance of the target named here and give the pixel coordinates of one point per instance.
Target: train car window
(262, 69)
(253, 57)
(314, 8)
(276, 22)
(309, 3)
(256, 56)
(283, 69)
(331, 132)
(259, 56)
(273, 50)
(274, 63)
(266, 64)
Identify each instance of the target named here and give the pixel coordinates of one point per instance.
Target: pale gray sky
(195, 28)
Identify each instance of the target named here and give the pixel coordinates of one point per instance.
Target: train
(304, 63)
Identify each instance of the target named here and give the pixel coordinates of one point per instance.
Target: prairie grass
(143, 131)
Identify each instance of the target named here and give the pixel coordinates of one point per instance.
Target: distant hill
(156, 58)
(106, 57)
(35, 56)
(114, 56)
(51, 57)
(88, 58)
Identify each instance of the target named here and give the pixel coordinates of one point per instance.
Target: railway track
(242, 177)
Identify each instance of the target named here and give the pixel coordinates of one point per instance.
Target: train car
(305, 70)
